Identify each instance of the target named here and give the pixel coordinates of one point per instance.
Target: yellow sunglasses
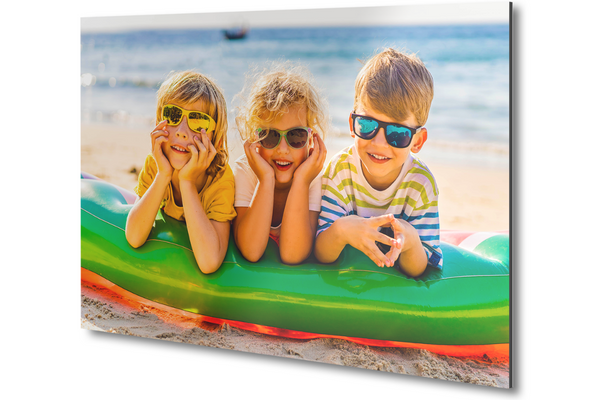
(196, 120)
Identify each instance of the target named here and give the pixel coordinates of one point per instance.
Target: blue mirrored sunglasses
(397, 135)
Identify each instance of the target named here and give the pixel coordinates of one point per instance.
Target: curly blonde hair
(395, 84)
(191, 86)
(272, 92)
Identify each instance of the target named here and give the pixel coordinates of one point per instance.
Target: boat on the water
(234, 34)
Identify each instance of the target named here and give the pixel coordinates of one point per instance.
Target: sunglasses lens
(365, 127)
(398, 136)
(172, 115)
(297, 138)
(198, 121)
(269, 138)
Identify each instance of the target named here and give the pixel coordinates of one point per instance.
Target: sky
(467, 13)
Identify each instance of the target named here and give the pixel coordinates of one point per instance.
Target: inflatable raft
(462, 310)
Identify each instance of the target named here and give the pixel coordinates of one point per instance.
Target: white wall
(555, 192)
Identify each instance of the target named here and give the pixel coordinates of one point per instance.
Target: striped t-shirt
(413, 197)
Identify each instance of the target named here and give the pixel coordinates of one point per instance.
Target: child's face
(381, 162)
(283, 158)
(181, 136)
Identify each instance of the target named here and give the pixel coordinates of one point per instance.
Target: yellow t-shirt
(216, 196)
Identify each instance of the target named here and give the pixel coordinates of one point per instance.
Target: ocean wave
(89, 79)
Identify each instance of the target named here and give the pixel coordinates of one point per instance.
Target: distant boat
(233, 34)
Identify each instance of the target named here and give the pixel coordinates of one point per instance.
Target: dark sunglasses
(270, 138)
(398, 136)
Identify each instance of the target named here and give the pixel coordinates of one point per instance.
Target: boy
(377, 185)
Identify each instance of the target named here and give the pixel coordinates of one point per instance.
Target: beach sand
(471, 198)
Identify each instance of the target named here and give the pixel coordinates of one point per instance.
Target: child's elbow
(291, 260)
(292, 257)
(252, 256)
(134, 241)
(413, 274)
(251, 253)
(208, 265)
(415, 271)
(208, 268)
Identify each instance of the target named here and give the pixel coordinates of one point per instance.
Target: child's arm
(252, 225)
(412, 258)
(421, 235)
(209, 238)
(299, 224)
(141, 217)
(360, 233)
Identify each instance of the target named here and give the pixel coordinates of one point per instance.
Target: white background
(555, 269)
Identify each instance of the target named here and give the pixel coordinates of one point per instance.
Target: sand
(471, 199)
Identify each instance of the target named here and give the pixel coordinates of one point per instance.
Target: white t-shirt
(246, 185)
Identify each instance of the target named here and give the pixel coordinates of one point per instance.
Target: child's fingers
(396, 225)
(393, 255)
(197, 152)
(398, 229)
(396, 250)
(157, 143)
(212, 152)
(194, 150)
(204, 138)
(381, 220)
(157, 134)
(199, 145)
(385, 239)
(161, 125)
(321, 144)
(316, 145)
(322, 152)
(250, 149)
(377, 256)
(319, 141)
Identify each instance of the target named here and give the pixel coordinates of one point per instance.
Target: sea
(469, 117)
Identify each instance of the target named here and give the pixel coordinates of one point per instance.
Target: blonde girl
(187, 174)
(278, 181)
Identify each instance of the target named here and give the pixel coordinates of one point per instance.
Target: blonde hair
(188, 87)
(395, 84)
(271, 93)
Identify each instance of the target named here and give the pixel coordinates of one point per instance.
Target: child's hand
(313, 164)
(158, 137)
(259, 165)
(203, 153)
(394, 252)
(361, 233)
(407, 233)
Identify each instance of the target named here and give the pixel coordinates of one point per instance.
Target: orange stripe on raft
(188, 320)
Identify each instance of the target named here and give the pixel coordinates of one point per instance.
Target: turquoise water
(470, 66)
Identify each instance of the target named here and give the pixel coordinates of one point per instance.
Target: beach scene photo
(125, 59)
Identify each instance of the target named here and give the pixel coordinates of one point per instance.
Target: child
(187, 174)
(377, 182)
(277, 187)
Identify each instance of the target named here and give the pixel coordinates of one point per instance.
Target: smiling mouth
(283, 165)
(179, 149)
(377, 158)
